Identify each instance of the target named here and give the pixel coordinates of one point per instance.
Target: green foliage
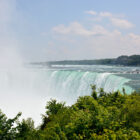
(53, 107)
(101, 116)
(7, 128)
(26, 130)
(94, 93)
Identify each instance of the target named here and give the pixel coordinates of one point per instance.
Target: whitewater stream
(28, 89)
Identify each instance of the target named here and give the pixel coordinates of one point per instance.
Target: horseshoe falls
(28, 89)
(68, 85)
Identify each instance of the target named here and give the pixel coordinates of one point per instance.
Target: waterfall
(58, 82)
(71, 84)
(28, 89)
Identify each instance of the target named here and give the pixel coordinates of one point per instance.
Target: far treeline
(101, 116)
(133, 60)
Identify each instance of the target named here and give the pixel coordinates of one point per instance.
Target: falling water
(28, 89)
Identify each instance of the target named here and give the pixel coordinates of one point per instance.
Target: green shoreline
(124, 60)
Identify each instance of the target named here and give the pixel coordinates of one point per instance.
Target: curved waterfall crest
(62, 82)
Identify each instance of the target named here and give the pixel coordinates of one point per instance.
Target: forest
(101, 116)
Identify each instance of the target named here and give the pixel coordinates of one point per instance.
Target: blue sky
(40, 30)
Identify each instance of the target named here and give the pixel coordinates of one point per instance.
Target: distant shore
(133, 60)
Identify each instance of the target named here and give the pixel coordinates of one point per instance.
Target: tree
(53, 107)
(8, 128)
(94, 93)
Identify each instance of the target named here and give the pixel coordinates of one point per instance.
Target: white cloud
(61, 29)
(105, 14)
(99, 30)
(121, 23)
(135, 38)
(116, 20)
(96, 41)
(91, 12)
(76, 28)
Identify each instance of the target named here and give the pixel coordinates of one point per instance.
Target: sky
(44, 30)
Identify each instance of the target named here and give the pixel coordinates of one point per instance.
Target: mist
(16, 96)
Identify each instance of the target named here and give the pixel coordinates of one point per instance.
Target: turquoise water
(128, 77)
(77, 83)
